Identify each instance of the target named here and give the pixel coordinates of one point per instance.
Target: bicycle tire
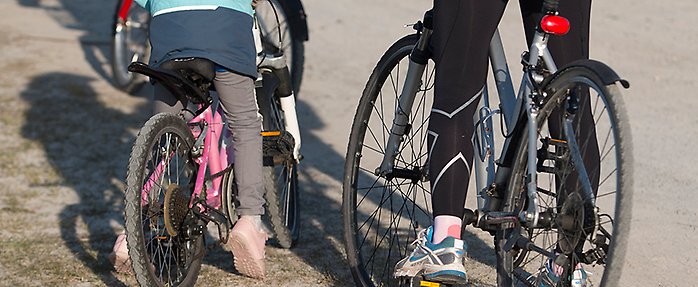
(280, 182)
(294, 49)
(122, 53)
(399, 214)
(228, 193)
(566, 240)
(147, 146)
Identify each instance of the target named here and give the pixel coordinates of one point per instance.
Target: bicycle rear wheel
(163, 246)
(129, 44)
(382, 216)
(589, 230)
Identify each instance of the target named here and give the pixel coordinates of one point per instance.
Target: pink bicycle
(180, 176)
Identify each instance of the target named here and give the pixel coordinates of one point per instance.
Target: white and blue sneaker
(551, 275)
(441, 262)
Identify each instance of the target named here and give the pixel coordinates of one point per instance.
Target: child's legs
(236, 93)
(164, 101)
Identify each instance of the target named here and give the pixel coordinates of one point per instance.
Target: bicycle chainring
(176, 207)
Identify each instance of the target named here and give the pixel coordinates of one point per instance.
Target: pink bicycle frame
(212, 155)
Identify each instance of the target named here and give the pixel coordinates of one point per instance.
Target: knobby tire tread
(284, 237)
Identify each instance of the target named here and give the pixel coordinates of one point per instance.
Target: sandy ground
(66, 136)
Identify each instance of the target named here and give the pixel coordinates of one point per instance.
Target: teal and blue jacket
(218, 30)
(158, 7)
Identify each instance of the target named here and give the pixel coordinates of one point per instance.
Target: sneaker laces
(421, 238)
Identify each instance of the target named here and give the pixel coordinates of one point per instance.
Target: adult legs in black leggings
(462, 33)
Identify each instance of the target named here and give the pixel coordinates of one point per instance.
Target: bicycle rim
(584, 228)
(383, 216)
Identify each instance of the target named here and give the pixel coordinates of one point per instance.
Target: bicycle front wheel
(129, 44)
(581, 115)
(278, 36)
(164, 246)
(382, 215)
(280, 173)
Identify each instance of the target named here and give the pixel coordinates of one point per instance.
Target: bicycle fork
(401, 123)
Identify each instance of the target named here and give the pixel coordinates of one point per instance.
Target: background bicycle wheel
(66, 134)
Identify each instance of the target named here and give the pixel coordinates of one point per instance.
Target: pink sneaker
(119, 256)
(247, 244)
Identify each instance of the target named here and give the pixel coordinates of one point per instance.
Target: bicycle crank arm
(218, 218)
(486, 220)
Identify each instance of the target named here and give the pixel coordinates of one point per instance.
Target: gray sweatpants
(236, 93)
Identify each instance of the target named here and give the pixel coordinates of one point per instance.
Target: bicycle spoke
(607, 177)
(606, 194)
(373, 135)
(380, 152)
(380, 114)
(387, 231)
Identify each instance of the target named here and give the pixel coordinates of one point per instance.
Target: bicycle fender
(297, 18)
(607, 75)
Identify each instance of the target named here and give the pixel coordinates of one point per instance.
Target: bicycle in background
(278, 19)
(539, 199)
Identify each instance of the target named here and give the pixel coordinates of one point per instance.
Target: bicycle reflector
(555, 25)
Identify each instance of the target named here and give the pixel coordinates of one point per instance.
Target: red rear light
(555, 25)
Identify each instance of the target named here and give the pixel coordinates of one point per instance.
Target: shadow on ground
(96, 26)
(88, 144)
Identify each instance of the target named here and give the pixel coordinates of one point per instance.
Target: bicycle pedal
(271, 133)
(429, 283)
(425, 283)
(277, 147)
(558, 153)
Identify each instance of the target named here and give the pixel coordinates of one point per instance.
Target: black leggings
(460, 43)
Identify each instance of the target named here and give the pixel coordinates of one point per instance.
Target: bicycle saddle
(186, 78)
